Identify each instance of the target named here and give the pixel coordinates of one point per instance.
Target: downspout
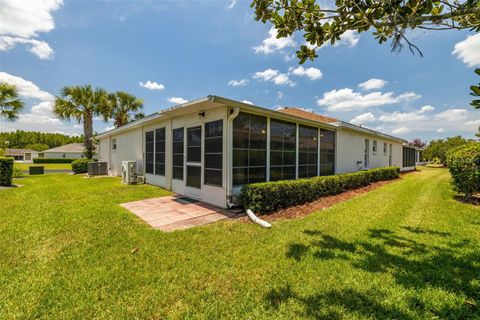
(257, 220)
(233, 115)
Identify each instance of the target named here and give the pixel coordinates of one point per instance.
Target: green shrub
(265, 197)
(464, 166)
(53, 160)
(17, 172)
(6, 171)
(80, 165)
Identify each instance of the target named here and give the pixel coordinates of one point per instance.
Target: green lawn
(407, 250)
(47, 166)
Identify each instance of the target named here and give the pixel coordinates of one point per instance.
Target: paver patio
(176, 212)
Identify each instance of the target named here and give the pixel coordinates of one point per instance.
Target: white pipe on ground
(257, 220)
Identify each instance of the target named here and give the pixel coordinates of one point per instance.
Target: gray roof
(68, 148)
(18, 152)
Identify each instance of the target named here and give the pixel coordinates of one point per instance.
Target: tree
(417, 142)
(476, 92)
(125, 107)
(388, 19)
(34, 140)
(10, 104)
(82, 103)
(437, 149)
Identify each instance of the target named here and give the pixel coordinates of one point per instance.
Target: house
(208, 148)
(67, 151)
(21, 155)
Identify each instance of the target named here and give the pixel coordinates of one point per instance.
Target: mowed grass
(407, 250)
(46, 166)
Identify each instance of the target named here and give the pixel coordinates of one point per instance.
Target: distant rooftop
(18, 152)
(68, 148)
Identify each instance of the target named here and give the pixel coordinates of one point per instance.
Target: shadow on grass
(439, 262)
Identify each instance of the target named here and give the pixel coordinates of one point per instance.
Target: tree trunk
(88, 132)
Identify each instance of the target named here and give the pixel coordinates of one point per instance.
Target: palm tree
(124, 108)
(10, 104)
(82, 103)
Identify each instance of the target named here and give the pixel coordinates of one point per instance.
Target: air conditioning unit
(129, 172)
(97, 168)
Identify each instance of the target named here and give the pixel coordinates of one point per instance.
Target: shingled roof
(68, 148)
(307, 115)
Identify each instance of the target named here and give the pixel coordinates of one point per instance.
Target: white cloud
(22, 21)
(349, 38)
(401, 130)
(247, 102)
(274, 76)
(40, 48)
(232, 4)
(177, 100)
(426, 108)
(372, 84)
(311, 73)
(440, 130)
(363, 118)
(26, 89)
(452, 115)
(272, 44)
(152, 85)
(236, 83)
(346, 99)
(279, 94)
(108, 128)
(468, 50)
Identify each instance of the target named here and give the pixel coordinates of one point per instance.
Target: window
(327, 152)
(160, 151)
(366, 154)
(177, 143)
(149, 147)
(249, 149)
(64, 155)
(409, 157)
(374, 147)
(194, 144)
(385, 148)
(282, 150)
(214, 152)
(307, 152)
(114, 144)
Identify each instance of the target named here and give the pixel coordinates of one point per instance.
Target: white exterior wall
(350, 150)
(129, 147)
(60, 155)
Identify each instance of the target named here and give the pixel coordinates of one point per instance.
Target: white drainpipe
(257, 220)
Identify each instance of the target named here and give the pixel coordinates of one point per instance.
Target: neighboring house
(208, 148)
(21, 155)
(67, 151)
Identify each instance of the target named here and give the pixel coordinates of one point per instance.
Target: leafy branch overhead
(388, 19)
(476, 92)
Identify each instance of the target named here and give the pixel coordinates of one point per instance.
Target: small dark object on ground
(32, 170)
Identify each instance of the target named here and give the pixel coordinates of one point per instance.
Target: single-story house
(208, 148)
(21, 155)
(67, 151)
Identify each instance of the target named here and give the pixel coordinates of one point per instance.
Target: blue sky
(189, 49)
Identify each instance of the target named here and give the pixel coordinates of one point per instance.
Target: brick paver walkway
(176, 212)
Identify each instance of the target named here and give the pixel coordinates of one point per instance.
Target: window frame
(308, 152)
(285, 153)
(178, 154)
(207, 152)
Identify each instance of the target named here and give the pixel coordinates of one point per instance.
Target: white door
(193, 162)
(366, 160)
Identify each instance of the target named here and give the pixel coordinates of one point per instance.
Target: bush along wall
(464, 165)
(6, 171)
(81, 165)
(53, 160)
(266, 197)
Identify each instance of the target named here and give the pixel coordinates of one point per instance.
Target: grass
(47, 166)
(407, 250)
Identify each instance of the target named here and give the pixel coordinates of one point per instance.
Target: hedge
(6, 171)
(266, 197)
(80, 165)
(53, 160)
(464, 165)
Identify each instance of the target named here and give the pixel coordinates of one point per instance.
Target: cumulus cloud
(273, 44)
(22, 21)
(274, 76)
(236, 83)
(401, 130)
(152, 85)
(349, 38)
(363, 118)
(26, 89)
(311, 73)
(372, 84)
(232, 4)
(346, 99)
(177, 100)
(468, 50)
(247, 102)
